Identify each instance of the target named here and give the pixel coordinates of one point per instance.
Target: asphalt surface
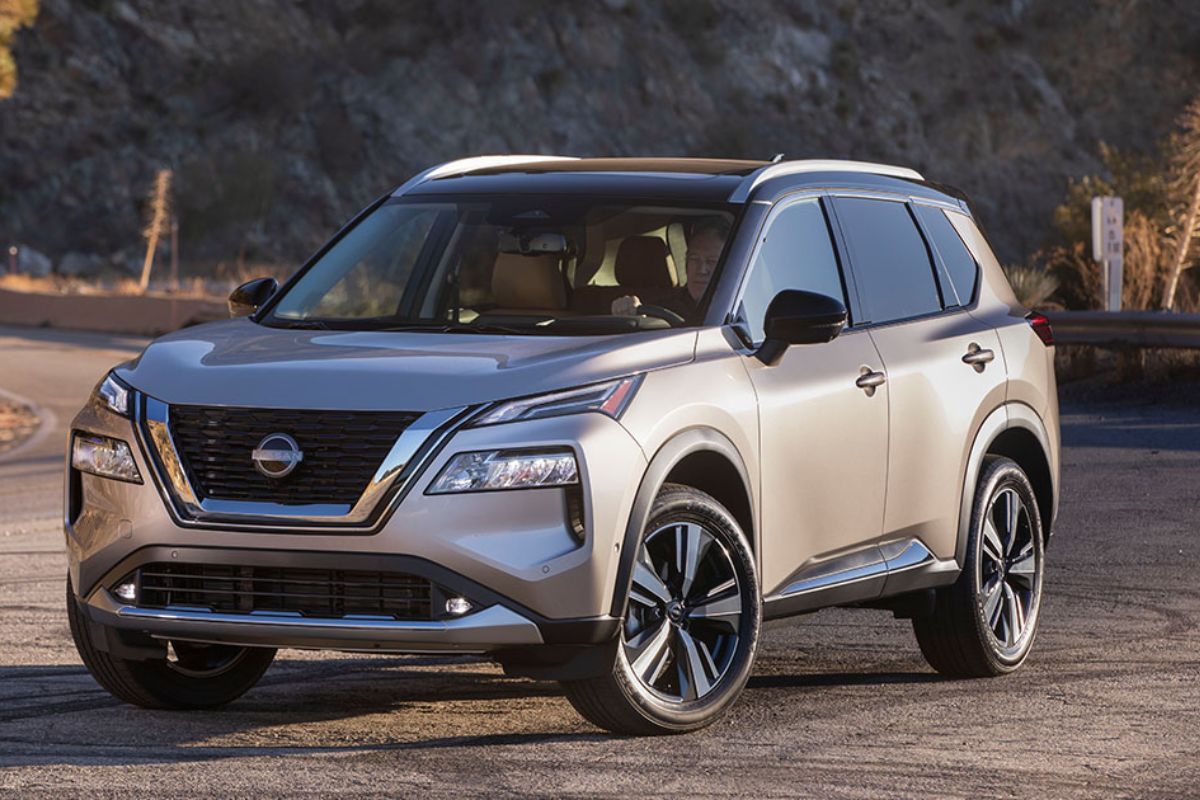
(841, 703)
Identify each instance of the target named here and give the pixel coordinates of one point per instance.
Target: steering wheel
(666, 314)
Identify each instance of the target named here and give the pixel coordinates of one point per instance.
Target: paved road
(841, 703)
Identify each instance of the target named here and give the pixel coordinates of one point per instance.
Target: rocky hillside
(283, 117)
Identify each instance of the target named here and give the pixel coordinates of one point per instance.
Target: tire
(194, 676)
(690, 630)
(985, 623)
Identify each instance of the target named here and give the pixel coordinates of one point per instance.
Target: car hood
(240, 363)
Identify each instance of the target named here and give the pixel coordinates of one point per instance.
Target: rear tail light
(1041, 326)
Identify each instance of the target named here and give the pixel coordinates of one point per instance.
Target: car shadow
(829, 679)
(49, 714)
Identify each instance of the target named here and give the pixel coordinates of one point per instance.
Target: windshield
(524, 264)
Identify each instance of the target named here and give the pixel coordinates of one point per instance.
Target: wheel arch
(1015, 431)
(705, 459)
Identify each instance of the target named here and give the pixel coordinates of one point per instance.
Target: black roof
(699, 180)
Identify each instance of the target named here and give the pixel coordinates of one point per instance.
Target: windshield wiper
(303, 325)
(459, 328)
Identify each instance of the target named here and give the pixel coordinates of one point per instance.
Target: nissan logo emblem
(277, 455)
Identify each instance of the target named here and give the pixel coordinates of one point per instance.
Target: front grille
(342, 451)
(320, 593)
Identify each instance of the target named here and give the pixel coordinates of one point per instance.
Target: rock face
(283, 117)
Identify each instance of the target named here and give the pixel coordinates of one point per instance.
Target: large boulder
(76, 264)
(31, 262)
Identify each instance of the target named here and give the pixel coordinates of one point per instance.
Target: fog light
(126, 591)
(458, 606)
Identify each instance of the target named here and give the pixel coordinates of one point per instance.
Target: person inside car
(705, 241)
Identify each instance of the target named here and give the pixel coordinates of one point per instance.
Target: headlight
(609, 398)
(114, 394)
(100, 455)
(491, 470)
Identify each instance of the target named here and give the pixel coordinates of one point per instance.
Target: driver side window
(795, 253)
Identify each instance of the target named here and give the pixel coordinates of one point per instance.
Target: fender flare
(673, 451)
(1004, 417)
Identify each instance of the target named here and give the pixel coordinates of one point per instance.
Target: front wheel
(692, 619)
(190, 676)
(985, 624)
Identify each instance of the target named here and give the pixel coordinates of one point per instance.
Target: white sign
(1108, 246)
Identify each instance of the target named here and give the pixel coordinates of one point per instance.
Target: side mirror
(798, 317)
(251, 295)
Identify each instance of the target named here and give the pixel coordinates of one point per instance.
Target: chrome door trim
(860, 565)
(397, 467)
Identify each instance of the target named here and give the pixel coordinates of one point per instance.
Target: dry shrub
(238, 272)
(1136, 365)
(1080, 284)
(1147, 263)
(1146, 268)
(1033, 286)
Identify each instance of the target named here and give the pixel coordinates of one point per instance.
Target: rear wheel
(191, 675)
(985, 624)
(691, 623)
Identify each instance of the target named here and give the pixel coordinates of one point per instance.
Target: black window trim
(944, 268)
(908, 201)
(849, 286)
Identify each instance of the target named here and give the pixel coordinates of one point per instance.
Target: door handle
(869, 380)
(978, 357)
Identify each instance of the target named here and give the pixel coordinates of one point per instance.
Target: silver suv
(595, 418)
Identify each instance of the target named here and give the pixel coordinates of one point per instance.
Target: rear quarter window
(960, 264)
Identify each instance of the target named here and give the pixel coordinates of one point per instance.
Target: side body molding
(680, 446)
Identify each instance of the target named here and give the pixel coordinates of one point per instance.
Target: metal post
(1108, 246)
(174, 253)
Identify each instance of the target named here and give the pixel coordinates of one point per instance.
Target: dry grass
(224, 278)
(1147, 265)
(1150, 364)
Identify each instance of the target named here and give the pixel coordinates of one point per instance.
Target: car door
(823, 445)
(945, 369)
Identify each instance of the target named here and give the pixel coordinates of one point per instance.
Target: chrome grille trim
(427, 432)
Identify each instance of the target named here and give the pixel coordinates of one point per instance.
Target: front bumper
(496, 623)
(490, 629)
(537, 581)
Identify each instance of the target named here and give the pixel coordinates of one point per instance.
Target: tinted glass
(523, 264)
(796, 253)
(959, 262)
(891, 262)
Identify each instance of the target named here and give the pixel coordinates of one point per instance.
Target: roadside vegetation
(1161, 192)
(14, 15)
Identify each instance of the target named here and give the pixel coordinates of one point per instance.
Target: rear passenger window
(796, 253)
(955, 255)
(892, 267)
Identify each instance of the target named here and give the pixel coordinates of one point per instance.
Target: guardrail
(1125, 328)
(144, 315)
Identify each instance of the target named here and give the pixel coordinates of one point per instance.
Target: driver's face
(704, 250)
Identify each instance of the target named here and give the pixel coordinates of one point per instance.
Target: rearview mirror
(251, 295)
(799, 317)
(528, 243)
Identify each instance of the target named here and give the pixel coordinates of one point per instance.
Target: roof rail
(462, 166)
(817, 165)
